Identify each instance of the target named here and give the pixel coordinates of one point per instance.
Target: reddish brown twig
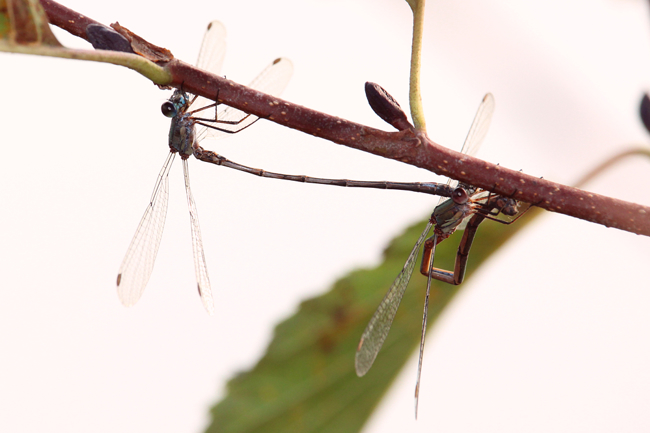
(408, 146)
(69, 20)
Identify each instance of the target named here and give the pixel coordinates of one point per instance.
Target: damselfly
(448, 216)
(186, 130)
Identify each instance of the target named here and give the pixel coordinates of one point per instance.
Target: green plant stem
(139, 64)
(415, 96)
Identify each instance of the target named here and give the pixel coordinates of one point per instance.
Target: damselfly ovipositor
(449, 215)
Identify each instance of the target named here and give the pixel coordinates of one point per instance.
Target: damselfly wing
(449, 215)
(192, 120)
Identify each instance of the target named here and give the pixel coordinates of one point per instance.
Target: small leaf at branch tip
(386, 107)
(142, 47)
(25, 23)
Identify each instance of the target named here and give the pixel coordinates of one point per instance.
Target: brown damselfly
(467, 206)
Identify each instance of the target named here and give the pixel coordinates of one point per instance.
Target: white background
(553, 333)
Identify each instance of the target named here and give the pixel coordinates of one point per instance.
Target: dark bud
(386, 107)
(105, 38)
(644, 111)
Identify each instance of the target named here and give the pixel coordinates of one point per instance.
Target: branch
(415, 148)
(410, 146)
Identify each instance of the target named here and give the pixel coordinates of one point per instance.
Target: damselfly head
(175, 104)
(168, 109)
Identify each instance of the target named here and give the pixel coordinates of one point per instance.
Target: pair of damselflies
(195, 118)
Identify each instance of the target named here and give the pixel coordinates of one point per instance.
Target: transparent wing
(424, 327)
(377, 330)
(138, 262)
(200, 268)
(477, 132)
(272, 80)
(480, 126)
(211, 56)
(213, 48)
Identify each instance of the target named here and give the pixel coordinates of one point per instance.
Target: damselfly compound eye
(459, 196)
(168, 109)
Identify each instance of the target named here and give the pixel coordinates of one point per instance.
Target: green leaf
(24, 22)
(24, 29)
(306, 381)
